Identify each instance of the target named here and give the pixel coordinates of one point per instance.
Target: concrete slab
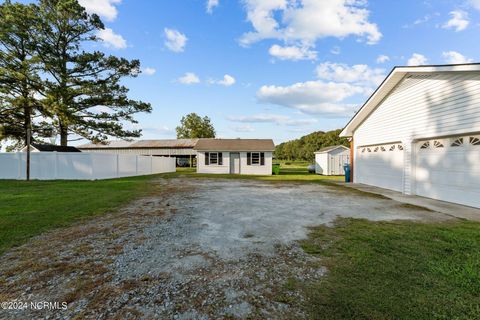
(448, 208)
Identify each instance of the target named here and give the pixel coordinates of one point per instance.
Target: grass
(292, 173)
(30, 208)
(396, 270)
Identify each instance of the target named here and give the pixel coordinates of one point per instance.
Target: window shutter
(249, 158)
(220, 159)
(207, 158)
(262, 158)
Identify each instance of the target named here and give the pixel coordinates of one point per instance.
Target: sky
(276, 69)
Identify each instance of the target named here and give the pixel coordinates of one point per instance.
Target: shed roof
(331, 148)
(53, 148)
(391, 81)
(139, 144)
(235, 145)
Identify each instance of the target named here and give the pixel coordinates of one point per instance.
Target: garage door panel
(382, 169)
(450, 173)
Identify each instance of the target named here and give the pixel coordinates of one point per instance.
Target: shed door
(449, 170)
(380, 166)
(336, 164)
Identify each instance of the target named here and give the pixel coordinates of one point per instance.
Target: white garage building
(419, 133)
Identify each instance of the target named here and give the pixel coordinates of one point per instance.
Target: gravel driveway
(194, 249)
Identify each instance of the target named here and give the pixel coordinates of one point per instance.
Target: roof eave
(390, 82)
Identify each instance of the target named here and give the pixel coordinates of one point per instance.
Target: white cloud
(313, 97)
(360, 74)
(245, 128)
(453, 57)
(422, 20)
(175, 40)
(475, 4)
(417, 59)
(189, 78)
(383, 58)
(111, 39)
(272, 118)
(459, 21)
(335, 50)
(306, 21)
(149, 71)
(227, 81)
(292, 53)
(211, 4)
(158, 130)
(104, 8)
(329, 96)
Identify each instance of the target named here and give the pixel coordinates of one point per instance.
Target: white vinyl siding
(421, 107)
(425, 106)
(331, 162)
(225, 167)
(265, 169)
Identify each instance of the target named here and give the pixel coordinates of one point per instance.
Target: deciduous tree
(193, 126)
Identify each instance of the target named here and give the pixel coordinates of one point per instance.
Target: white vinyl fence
(81, 166)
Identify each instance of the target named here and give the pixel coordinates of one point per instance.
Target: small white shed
(329, 161)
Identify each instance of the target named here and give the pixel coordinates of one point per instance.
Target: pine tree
(19, 67)
(84, 94)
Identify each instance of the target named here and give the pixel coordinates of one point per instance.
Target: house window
(255, 158)
(213, 158)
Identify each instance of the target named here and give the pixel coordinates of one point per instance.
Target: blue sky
(276, 68)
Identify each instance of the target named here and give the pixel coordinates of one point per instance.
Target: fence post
(117, 175)
(55, 163)
(19, 157)
(136, 165)
(151, 164)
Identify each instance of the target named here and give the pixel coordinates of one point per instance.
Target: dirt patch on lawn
(193, 249)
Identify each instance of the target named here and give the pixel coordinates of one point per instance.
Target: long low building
(182, 149)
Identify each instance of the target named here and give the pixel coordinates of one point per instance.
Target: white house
(329, 161)
(419, 133)
(235, 156)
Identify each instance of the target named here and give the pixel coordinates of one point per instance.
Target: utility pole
(29, 133)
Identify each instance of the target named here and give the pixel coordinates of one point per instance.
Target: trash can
(346, 168)
(276, 168)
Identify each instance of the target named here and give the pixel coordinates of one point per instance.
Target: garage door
(449, 169)
(381, 166)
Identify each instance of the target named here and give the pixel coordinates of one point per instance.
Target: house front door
(235, 163)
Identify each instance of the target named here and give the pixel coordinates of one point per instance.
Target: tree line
(304, 147)
(51, 84)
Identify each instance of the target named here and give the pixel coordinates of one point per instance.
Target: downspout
(352, 146)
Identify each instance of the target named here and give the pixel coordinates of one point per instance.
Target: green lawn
(396, 270)
(292, 172)
(30, 208)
